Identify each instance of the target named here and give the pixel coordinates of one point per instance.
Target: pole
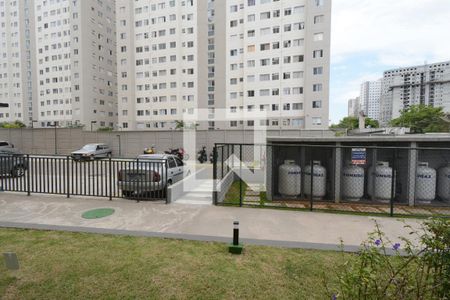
(56, 136)
(311, 197)
(236, 233)
(120, 146)
(394, 152)
(240, 174)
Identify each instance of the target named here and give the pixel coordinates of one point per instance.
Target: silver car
(92, 151)
(150, 173)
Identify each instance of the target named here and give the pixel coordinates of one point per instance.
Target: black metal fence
(391, 180)
(110, 178)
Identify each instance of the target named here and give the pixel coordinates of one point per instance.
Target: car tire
(127, 194)
(18, 171)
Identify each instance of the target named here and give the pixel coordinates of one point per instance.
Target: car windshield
(89, 147)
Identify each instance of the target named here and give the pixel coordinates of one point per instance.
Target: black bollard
(236, 233)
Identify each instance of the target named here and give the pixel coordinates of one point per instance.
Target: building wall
(42, 140)
(163, 70)
(426, 84)
(17, 80)
(76, 78)
(370, 98)
(272, 50)
(354, 107)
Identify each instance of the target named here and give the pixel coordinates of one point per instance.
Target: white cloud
(399, 32)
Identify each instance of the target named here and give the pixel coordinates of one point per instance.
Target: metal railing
(391, 180)
(109, 178)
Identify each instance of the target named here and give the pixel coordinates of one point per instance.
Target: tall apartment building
(162, 55)
(277, 61)
(17, 60)
(237, 55)
(354, 107)
(427, 84)
(370, 98)
(76, 73)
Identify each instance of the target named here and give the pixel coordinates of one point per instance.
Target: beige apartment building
(17, 61)
(76, 63)
(242, 56)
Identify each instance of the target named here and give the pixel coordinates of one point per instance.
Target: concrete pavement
(197, 222)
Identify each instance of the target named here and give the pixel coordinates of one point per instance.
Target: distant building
(404, 87)
(17, 60)
(370, 98)
(76, 63)
(354, 107)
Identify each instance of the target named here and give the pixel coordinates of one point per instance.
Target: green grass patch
(62, 265)
(233, 196)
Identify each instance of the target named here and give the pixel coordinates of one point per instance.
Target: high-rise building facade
(239, 55)
(76, 63)
(354, 107)
(162, 56)
(277, 61)
(427, 84)
(370, 98)
(17, 61)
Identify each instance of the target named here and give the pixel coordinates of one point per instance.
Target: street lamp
(32, 134)
(120, 146)
(92, 123)
(55, 124)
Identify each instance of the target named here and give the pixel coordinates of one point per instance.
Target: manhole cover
(98, 213)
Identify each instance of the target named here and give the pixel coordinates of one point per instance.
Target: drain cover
(98, 213)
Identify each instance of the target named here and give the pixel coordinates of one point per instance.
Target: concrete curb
(192, 237)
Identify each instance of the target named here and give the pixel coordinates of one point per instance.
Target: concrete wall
(42, 140)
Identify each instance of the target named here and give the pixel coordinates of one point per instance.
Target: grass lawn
(62, 265)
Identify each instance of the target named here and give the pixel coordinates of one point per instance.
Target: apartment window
(318, 71)
(297, 90)
(233, 8)
(233, 23)
(288, 11)
(251, 2)
(317, 121)
(251, 33)
(264, 77)
(319, 19)
(319, 2)
(317, 53)
(251, 18)
(318, 37)
(317, 104)
(265, 47)
(297, 106)
(250, 93)
(297, 74)
(250, 63)
(317, 87)
(251, 48)
(265, 15)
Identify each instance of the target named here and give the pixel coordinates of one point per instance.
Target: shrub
(414, 268)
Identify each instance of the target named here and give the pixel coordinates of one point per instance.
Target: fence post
(222, 162)
(68, 176)
(167, 181)
(110, 178)
(311, 197)
(240, 175)
(394, 152)
(28, 176)
(215, 174)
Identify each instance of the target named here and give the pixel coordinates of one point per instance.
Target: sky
(371, 36)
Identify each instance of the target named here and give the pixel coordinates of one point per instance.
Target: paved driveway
(200, 222)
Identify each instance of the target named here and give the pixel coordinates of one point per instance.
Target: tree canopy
(15, 124)
(422, 118)
(353, 123)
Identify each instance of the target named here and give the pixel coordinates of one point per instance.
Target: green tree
(422, 118)
(15, 124)
(353, 123)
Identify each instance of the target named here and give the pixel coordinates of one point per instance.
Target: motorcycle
(180, 152)
(211, 157)
(150, 150)
(202, 156)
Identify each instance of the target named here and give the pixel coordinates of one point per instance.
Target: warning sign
(359, 156)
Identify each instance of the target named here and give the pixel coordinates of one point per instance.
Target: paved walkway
(198, 222)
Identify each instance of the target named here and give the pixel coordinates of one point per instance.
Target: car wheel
(18, 171)
(127, 193)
